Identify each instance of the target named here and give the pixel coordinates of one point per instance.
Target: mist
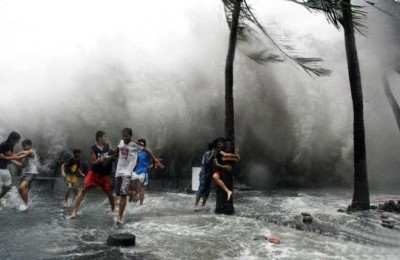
(70, 68)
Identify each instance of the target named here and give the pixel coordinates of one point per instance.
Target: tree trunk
(229, 104)
(361, 190)
(391, 99)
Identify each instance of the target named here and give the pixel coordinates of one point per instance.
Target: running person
(127, 151)
(99, 175)
(6, 150)
(140, 175)
(70, 171)
(29, 171)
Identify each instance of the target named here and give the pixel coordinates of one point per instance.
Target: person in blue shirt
(140, 176)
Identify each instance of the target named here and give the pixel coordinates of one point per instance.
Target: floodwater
(167, 228)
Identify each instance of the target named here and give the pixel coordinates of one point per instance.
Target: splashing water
(167, 228)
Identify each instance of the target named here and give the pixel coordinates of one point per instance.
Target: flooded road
(167, 228)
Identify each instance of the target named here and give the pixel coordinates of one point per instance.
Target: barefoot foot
(229, 195)
(73, 215)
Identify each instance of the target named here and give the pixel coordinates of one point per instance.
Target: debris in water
(307, 218)
(121, 239)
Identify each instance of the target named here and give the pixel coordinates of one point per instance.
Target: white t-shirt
(127, 158)
(30, 164)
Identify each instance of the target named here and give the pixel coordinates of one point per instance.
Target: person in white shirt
(29, 170)
(127, 151)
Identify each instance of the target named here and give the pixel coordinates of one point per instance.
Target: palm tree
(350, 17)
(229, 103)
(243, 23)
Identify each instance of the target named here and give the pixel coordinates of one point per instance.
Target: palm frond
(333, 10)
(249, 27)
(263, 56)
(310, 66)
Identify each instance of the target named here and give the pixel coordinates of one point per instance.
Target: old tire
(121, 239)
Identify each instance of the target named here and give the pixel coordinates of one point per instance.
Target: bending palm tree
(243, 22)
(342, 12)
(229, 104)
(361, 189)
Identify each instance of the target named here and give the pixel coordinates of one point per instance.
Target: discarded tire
(122, 239)
(307, 218)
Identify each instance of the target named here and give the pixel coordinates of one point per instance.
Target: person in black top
(70, 171)
(102, 159)
(6, 150)
(226, 156)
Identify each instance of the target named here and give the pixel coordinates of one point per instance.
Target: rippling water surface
(167, 228)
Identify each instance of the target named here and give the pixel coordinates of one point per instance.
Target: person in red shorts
(100, 172)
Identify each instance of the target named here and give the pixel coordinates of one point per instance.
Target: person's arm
(81, 173)
(24, 153)
(151, 166)
(63, 170)
(93, 158)
(229, 155)
(10, 157)
(227, 159)
(17, 163)
(114, 152)
(210, 158)
(237, 152)
(156, 161)
(225, 167)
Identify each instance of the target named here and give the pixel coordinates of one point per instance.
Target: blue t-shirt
(144, 161)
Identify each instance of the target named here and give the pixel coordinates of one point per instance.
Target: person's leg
(122, 201)
(200, 191)
(122, 205)
(204, 201)
(141, 192)
(134, 191)
(23, 191)
(111, 200)
(74, 192)
(78, 201)
(207, 188)
(220, 183)
(67, 192)
(88, 183)
(4, 191)
(196, 202)
(106, 185)
(5, 182)
(146, 179)
(117, 188)
(75, 189)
